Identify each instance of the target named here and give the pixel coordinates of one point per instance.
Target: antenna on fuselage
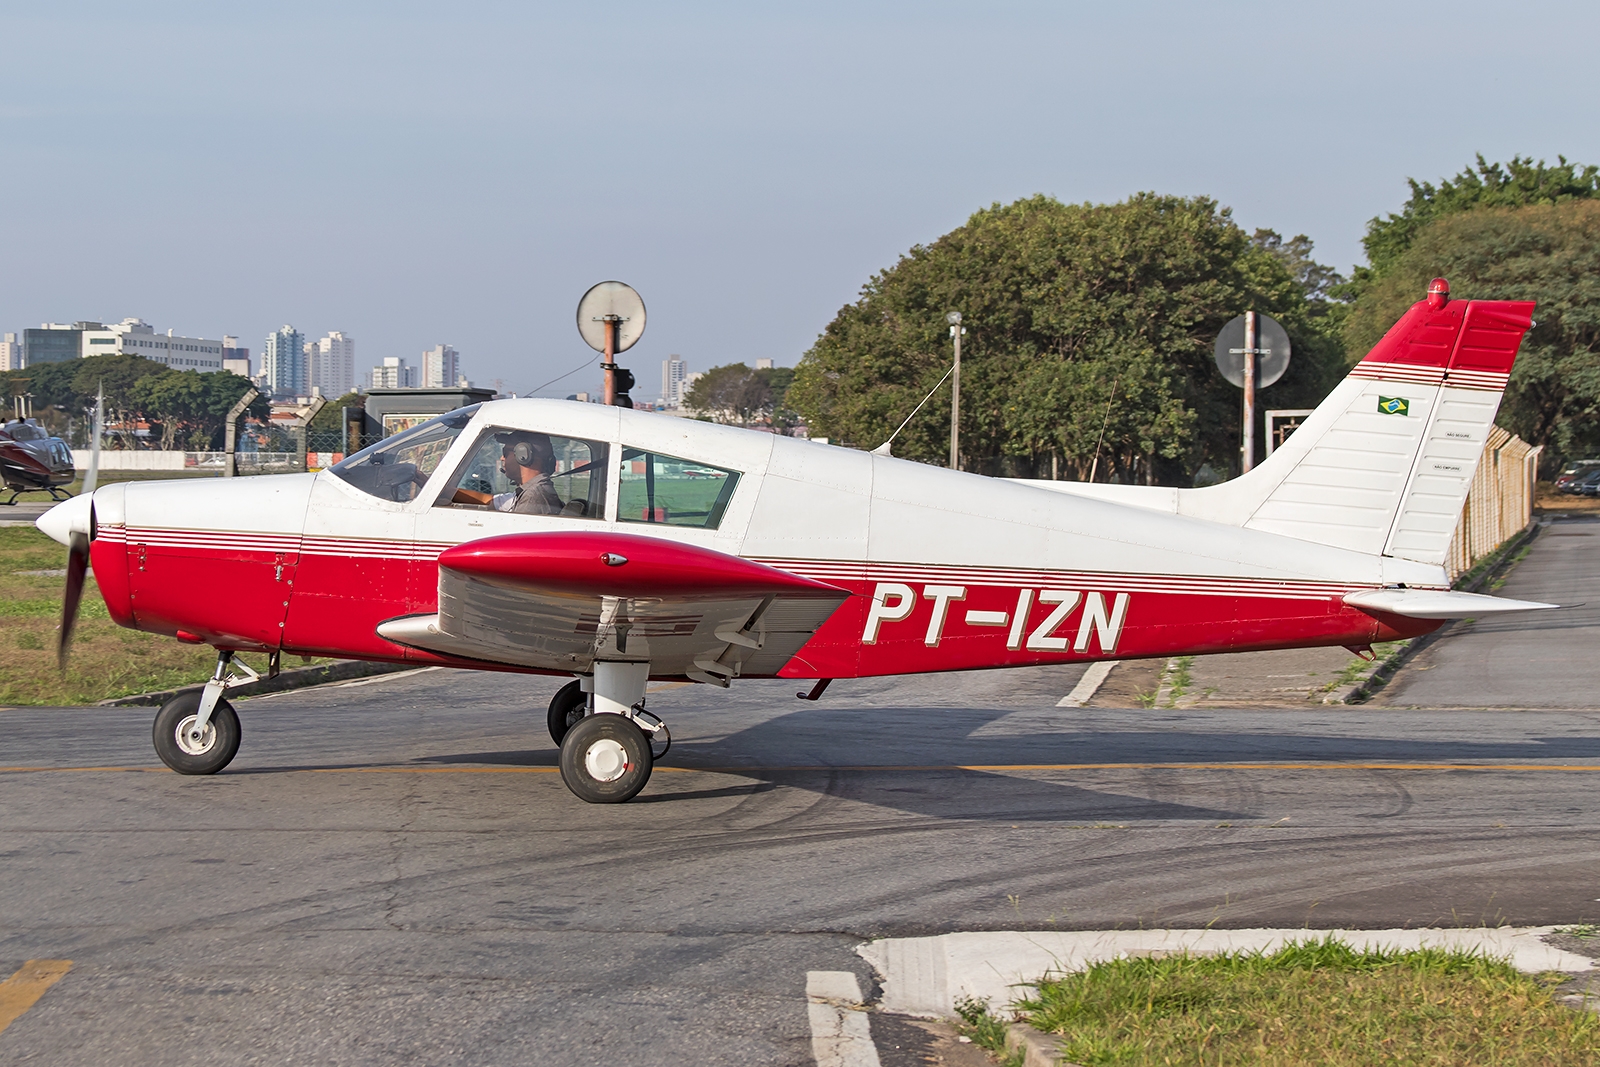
(883, 449)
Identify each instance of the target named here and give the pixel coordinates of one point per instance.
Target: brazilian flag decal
(1394, 405)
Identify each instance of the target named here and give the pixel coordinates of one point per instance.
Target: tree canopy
(1519, 183)
(1548, 253)
(742, 396)
(186, 408)
(1089, 338)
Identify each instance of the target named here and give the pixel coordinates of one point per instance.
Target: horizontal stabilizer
(1438, 603)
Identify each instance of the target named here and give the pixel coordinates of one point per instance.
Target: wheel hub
(606, 760)
(187, 741)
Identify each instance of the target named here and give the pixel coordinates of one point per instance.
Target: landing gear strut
(609, 743)
(198, 733)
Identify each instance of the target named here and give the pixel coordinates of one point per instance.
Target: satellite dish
(1272, 351)
(605, 300)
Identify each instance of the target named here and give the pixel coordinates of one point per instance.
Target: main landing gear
(198, 733)
(609, 743)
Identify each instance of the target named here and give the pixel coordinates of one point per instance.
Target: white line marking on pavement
(840, 1033)
(1088, 685)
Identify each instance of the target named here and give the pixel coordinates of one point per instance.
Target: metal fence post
(231, 431)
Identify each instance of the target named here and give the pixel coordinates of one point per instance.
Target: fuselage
(947, 570)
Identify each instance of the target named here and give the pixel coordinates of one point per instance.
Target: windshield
(397, 467)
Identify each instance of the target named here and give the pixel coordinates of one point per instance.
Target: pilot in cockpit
(528, 460)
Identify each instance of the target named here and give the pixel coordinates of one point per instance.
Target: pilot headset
(522, 451)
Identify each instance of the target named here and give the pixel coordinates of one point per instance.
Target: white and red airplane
(659, 547)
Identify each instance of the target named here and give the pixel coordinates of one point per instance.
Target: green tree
(1549, 254)
(329, 418)
(190, 404)
(1088, 345)
(1519, 183)
(737, 395)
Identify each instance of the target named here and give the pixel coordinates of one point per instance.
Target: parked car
(1573, 472)
(1585, 484)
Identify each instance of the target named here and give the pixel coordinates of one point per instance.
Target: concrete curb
(1038, 1049)
(298, 678)
(928, 976)
(1370, 681)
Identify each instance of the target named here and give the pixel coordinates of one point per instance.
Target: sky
(417, 173)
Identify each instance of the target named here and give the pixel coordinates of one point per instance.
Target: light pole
(954, 319)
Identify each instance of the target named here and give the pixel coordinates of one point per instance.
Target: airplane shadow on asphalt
(946, 763)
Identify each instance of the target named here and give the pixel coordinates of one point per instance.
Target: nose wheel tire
(569, 705)
(605, 759)
(212, 751)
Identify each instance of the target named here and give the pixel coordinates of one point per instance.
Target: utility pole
(1250, 346)
(954, 319)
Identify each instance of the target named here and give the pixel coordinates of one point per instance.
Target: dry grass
(1318, 1002)
(107, 660)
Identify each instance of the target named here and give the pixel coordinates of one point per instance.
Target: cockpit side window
(672, 491)
(397, 467)
(530, 473)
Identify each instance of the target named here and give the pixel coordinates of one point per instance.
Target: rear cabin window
(672, 491)
(397, 467)
(531, 473)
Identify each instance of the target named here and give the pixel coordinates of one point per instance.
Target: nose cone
(67, 518)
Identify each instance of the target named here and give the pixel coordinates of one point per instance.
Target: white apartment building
(333, 364)
(394, 374)
(673, 371)
(11, 353)
(135, 337)
(441, 367)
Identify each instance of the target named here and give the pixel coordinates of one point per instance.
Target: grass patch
(1314, 1002)
(107, 660)
(986, 1031)
(1182, 679)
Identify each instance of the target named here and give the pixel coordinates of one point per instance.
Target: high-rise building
(333, 364)
(283, 363)
(394, 374)
(672, 381)
(11, 353)
(763, 364)
(440, 367)
(235, 360)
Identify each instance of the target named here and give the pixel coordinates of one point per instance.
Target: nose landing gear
(198, 733)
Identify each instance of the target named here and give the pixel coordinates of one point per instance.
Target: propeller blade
(92, 476)
(77, 569)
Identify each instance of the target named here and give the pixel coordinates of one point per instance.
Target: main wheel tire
(567, 708)
(605, 759)
(216, 748)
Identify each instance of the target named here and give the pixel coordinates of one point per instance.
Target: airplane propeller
(78, 540)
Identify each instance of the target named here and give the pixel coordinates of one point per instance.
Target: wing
(559, 601)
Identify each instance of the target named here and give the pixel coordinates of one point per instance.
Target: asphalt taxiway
(392, 871)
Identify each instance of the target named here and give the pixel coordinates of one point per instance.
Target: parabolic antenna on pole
(611, 302)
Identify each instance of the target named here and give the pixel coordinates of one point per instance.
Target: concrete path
(1544, 659)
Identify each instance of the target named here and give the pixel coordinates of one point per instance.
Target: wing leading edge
(561, 601)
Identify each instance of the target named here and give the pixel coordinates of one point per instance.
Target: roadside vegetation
(107, 660)
(1310, 1003)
